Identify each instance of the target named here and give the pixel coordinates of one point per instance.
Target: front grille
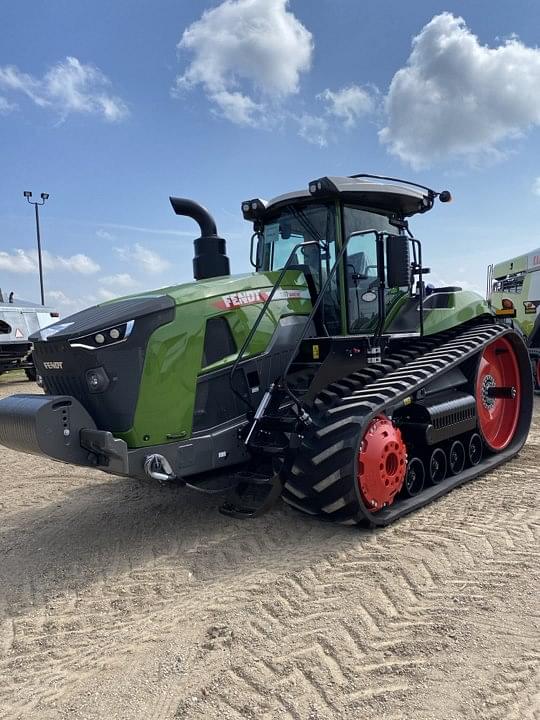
(64, 371)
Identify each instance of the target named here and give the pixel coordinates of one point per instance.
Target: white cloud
(536, 187)
(121, 280)
(59, 300)
(146, 259)
(349, 104)
(77, 263)
(104, 235)
(26, 261)
(104, 295)
(246, 48)
(458, 97)
(67, 305)
(239, 109)
(67, 87)
(313, 129)
(5, 106)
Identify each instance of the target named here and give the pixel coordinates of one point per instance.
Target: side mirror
(398, 261)
(257, 248)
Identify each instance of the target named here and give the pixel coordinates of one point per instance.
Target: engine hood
(124, 310)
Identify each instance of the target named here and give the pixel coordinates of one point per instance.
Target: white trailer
(18, 321)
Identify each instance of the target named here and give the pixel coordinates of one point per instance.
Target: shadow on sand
(105, 529)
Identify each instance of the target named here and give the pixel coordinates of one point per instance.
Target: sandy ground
(127, 600)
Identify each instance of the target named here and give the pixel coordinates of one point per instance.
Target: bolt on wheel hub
(487, 383)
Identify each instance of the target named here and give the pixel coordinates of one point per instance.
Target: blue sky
(111, 107)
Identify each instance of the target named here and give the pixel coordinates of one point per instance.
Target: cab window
(361, 272)
(302, 223)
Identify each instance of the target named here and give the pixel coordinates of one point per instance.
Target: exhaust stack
(210, 258)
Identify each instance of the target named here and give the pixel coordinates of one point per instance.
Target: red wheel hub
(538, 374)
(382, 464)
(498, 394)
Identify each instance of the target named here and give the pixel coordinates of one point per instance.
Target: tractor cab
(362, 219)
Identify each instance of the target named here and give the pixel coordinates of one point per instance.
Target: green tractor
(513, 291)
(331, 375)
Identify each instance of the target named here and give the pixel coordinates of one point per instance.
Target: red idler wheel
(498, 394)
(382, 464)
(537, 375)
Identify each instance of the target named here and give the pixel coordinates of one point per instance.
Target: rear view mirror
(398, 262)
(257, 247)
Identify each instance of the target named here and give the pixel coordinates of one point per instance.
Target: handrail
(264, 308)
(420, 283)
(489, 282)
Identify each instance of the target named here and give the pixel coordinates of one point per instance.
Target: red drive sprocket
(382, 464)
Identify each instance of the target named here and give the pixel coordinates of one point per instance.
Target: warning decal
(18, 333)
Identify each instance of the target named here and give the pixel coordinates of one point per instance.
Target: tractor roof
(386, 194)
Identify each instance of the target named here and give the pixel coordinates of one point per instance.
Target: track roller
(437, 466)
(415, 477)
(456, 457)
(475, 449)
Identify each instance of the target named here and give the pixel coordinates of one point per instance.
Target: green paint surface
(174, 354)
(464, 305)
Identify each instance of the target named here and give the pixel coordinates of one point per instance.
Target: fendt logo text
(53, 365)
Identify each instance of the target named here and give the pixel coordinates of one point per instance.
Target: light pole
(44, 196)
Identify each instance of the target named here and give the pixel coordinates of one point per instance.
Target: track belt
(400, 383)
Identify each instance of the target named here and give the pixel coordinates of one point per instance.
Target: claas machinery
(330, 375)
(513, 291)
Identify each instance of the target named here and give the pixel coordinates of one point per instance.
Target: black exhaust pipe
(210, 250)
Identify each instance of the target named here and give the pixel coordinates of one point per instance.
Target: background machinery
(328, 375)
(513, 291)
(18, 320)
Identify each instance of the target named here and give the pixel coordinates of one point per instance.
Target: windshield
(302, 223)
(296, 224)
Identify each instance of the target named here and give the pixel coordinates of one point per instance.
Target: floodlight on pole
(44, 196)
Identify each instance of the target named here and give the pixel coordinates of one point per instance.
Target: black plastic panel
(218, 341)
(123, 363)
(104, 316)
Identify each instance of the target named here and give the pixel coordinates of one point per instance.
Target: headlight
(104, 338)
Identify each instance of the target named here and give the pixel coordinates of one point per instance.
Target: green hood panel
(442, 311)
(461, 307)
(197, 290)
(174, 356)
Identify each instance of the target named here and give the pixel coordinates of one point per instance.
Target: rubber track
(320, 479)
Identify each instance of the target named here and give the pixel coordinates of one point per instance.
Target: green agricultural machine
(331, 375)
(513, 291)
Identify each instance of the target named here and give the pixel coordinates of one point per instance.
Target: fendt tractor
(331, 375)
(513, 291)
